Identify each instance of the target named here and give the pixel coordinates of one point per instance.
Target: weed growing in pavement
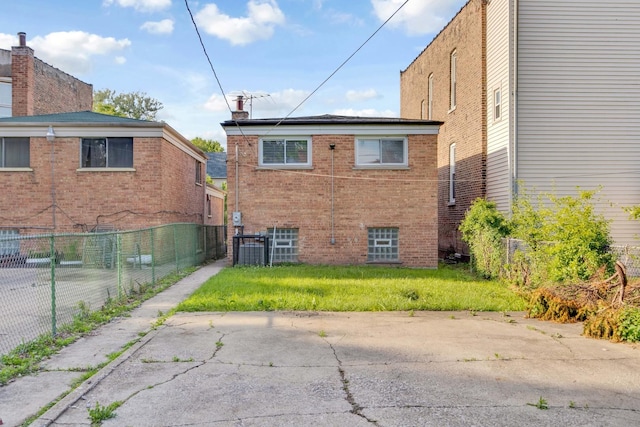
(322, 334)
(100, 413)
(541, 404)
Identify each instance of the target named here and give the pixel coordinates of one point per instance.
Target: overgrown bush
(483, 228)
(566, 240)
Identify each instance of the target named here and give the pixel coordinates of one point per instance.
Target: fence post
(119, 263)
(153, 259)
(52, 261)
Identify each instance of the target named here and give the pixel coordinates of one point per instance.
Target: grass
(350, 288)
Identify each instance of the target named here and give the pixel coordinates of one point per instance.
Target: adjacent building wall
(464, 125)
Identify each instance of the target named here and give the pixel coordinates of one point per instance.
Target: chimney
(239, 114)
(22, 78)
(22, 39)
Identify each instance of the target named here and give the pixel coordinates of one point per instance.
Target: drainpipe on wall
(514, 154)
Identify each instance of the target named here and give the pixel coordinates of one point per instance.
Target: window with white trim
(381, 152)
(14, 152)
(107, 153)
(5, 98)
(383, 245)
(452, 173)
(285, 151)
(454, 64)
(430, 98)
(284, 244)
(497, 104)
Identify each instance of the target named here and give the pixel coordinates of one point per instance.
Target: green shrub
(483, 228)
(629, 324)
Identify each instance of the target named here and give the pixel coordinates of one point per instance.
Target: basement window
(383, 245)
(284, 244)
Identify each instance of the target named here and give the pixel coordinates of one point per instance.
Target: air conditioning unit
(251, 254)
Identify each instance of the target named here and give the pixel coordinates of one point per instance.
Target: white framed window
(453, 66)
(497, 104)
(383, 245)
(284, 244)
(5, 97)
(381, 152)
(14, 152)
(452, 173)
(430, 98)
(292, 152)
(107, 153)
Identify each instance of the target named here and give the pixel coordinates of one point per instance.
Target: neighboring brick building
(446, 82)
(335, 189)
(29, 86)
(104, 170)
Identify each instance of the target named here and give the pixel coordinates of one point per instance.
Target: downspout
(237, 184)
(514, 155)
(332, 147)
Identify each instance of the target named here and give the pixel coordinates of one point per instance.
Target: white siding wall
(498, 76)
(579, 102)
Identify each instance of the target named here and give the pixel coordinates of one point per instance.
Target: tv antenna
(250, 97)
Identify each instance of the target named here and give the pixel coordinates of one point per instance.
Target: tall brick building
(29, 86)
(534, 94)
(335, 189)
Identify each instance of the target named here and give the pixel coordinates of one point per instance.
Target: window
(198, 172)
(381, 152)
(209, 205)
(454, 60)
(452, 173)
(14, 152)
(497, 104)
(285, 152)
(383, 245)
(107, 153)
(5, 98)
(430, 98)
(284, 244)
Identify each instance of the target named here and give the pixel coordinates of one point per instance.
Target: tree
(135, 105)
(207, 145)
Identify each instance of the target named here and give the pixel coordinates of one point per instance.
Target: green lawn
(351, 288)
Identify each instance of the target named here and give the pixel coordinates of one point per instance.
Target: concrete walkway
(338, 369)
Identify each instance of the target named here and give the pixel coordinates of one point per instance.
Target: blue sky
(276, 50)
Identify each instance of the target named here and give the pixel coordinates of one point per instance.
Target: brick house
(534, 94)
(99, 171)
(335, 189)
(29, 86)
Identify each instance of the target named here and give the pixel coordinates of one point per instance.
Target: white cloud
(417, 17)
(120, 60)
(160, 27)
(217, 103)
(368, 112)
(141, 5)
(278, 103)
(362, 95)
(263, 16)
(7, 41)
(72, 51)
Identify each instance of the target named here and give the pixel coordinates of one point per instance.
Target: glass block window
(284, 244)
(383, 244)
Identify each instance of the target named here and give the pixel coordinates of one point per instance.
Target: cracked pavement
(347, 369)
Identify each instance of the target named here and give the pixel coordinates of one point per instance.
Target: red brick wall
(465, 125)
(157, 192)
(39, 88)
(301, 199)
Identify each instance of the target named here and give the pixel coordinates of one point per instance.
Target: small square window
(284, 244)
(285, 152)
(383, 245)
(14, 152)
(381, 152)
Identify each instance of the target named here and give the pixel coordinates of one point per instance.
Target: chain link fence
(46, 280)
(628, 255)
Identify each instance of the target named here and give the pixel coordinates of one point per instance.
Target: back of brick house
(328, 205)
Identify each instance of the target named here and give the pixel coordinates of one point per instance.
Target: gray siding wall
(579, 102)
(498, 77)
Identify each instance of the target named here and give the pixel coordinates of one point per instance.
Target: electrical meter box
(236, 218)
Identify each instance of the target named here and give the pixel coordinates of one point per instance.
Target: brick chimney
(239, 114)
(22, 77)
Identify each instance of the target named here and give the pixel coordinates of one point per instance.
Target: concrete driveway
(364, 369)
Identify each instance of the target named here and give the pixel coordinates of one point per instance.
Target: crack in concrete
(356, 409)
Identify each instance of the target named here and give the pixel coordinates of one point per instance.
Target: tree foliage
(134, 105)
(207, 145)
